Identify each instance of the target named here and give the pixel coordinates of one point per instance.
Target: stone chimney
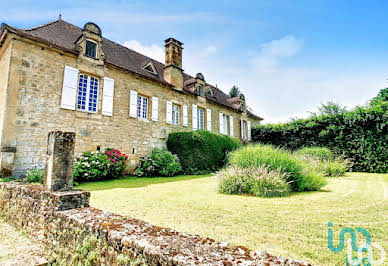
(173, 72)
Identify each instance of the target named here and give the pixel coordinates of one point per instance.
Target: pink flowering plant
(97, 165)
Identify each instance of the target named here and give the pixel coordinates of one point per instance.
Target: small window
(175, 114)
(200, 118)
(200, 90)
(150, 68)
(142, 107)
(210, 92)
(91, 49)
(87, 93)
(225, 117)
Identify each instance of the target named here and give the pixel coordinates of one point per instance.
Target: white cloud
(153, 51)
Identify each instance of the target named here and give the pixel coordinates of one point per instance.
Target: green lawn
(294, 227)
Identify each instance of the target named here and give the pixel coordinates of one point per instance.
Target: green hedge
(201, 151)
(360, 134)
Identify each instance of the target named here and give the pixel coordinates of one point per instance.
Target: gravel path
(17, 249)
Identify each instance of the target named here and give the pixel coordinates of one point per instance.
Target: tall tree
(234, 92)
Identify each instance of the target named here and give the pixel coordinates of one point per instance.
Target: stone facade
(75, 234)
(31, 84)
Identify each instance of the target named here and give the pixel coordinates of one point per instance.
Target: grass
(293, 227)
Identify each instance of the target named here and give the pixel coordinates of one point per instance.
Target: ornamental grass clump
(257, 181)
(323, 160)
(97, 165)
(298, 173)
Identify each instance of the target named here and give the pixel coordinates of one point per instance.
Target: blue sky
(286, 56)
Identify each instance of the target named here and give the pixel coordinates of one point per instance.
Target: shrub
(258, 181)
(34, 175)
(319, 152)
(300, 174)
(160, 162)
(360, 135)
(93, 166)
(117, 162)
(201, 151)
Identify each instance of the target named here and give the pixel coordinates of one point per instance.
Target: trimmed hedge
(201, 151)
(360, 135)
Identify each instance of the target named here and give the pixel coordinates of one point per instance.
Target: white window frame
(142, 109)
(175, 114)
(200, 119)
(86, 110)
(89, 40)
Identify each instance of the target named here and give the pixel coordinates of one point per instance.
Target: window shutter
(69, 89)
(209, 119)
(185, 115)
(107, 96)
(155, 109)
(169, 112)
(133, 104)
(242, 130)
(249, 130)
(231, 126)
(221, 117)
(195, 118)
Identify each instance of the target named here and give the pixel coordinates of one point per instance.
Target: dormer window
(150, 68)
(200, 90)
(91, 49)
(210, 92)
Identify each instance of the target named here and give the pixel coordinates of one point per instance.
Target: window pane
(139, 100)
(82, 89)
(91, 49)
(145, 107)
(93, 94)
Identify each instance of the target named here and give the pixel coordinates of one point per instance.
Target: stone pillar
(7, 157)
(59, 166)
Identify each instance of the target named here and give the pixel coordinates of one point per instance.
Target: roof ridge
(42, 25)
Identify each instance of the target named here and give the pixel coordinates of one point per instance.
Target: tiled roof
(64, 36)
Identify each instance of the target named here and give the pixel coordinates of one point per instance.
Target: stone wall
(74, 233)
(33, 108)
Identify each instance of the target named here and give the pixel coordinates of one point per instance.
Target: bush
(34, 175)
(201, 151)
(337, 167)
(93, 166)
(160, 162)
(360, 135)
(300, 175)
(319, 152)
(258, 181)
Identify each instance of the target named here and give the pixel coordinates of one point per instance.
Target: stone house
(60, 77)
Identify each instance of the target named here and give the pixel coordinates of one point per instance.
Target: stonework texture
(75, 234)
(32, 94)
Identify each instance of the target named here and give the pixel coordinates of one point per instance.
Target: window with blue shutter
(87, 98)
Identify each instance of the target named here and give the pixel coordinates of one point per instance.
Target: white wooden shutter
(221, 117)
(69, 89)
(185, 115)
(169, 112)
(133, 104)
(242, 129)
(209, 119)
(107, 96)
(155, 109)
(249, 130)
(231, 126)
(195, 118)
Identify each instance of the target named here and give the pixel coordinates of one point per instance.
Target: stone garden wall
(73, 233)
